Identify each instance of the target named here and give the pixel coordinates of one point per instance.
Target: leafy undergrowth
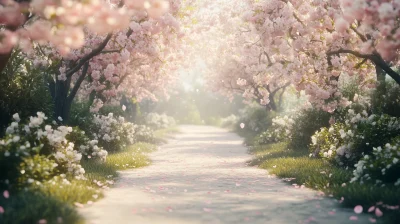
(55, 201)
(298, 168)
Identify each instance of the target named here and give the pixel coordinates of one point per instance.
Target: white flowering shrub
(381, 167)
(112, 133)
(346, 143)
(280, 130)
(35, 152)
(87, 147)
(158, 121)
(143, 134)
(230, 121)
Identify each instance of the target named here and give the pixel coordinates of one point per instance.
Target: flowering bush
(36, 152)
(381, 167)
(230, 121)
(346, 143)
(143, 134)
(112, 133)
(158, 121)
(85, 146)
(305, 124)
(280, 130)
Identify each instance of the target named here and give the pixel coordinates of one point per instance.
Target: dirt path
(201, 177)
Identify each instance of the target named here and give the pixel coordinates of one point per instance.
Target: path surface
(201, 176)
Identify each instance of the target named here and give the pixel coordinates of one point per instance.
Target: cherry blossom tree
(322, 40)
(108, 48)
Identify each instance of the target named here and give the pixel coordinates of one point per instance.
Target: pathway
(201, 176)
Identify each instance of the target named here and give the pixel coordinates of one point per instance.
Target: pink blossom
(358, 209)
(378, 212)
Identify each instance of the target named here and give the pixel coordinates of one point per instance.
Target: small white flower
(16, 117)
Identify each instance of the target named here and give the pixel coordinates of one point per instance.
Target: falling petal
(242, 125)
(353, 218)
(378, 212)
(371, 209)
(6, 194)
(123, 107)
(358, 209)
(1, 210)
(372, 220)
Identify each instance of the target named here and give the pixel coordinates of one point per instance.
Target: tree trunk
(62, 105)
(378, 101)
(272, 105)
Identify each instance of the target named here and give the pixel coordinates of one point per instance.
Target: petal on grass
(358, 209)
(353, 218)
(6, 194)
(378, 212)
(371, 209)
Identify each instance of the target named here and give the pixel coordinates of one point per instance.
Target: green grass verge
(57, 200)
(161, 135)
(320, 175)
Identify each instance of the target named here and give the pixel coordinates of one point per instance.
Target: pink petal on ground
(6, 194)
(371, 209)
(42, 221)
(332, 212)
(1, 210)
(237, 184)
(372, 220)
(207, 210)
(378, 212)
(358, 209)
(353, 218)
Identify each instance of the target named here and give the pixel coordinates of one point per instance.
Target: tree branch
(89, 56)
(78, 82)
(375, 58)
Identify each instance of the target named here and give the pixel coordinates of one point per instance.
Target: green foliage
(32, 206)
(23, 90)
(381, 167)
(255, 118)
(298, 168)
(346, 144)
(279, 131)
(305, 124)
(116, 110)
(389, 103)
(80, 115)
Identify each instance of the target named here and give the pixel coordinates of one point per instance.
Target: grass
(298, 168)
(161, 134)
(53, 200)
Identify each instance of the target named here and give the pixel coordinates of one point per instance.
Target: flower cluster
(158, 121)
(143, 134)
(87, 147)
(346, 143)
(112, 133)
(382, 167)
(36, 151)
(280, 130)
